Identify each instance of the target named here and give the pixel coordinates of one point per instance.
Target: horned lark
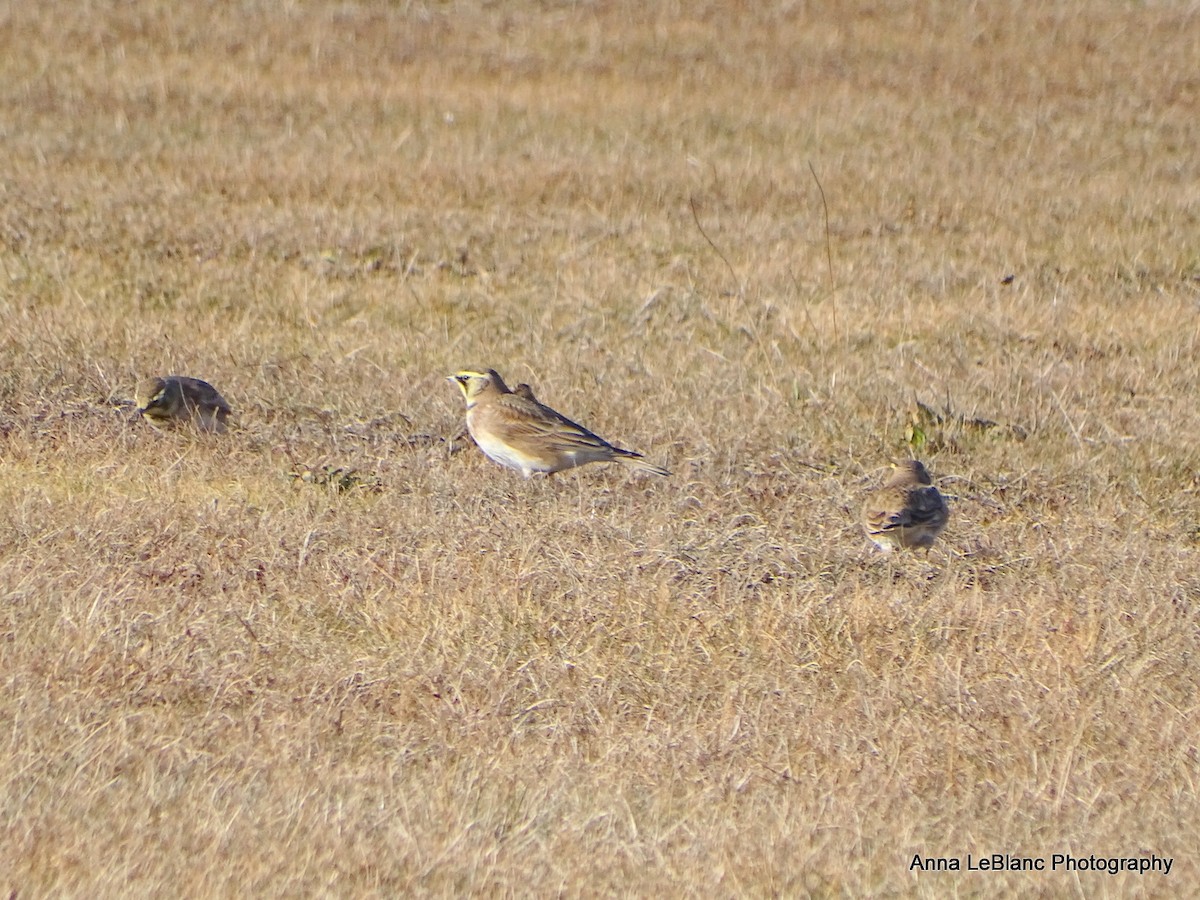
(178, 398)
(516, 430)
(907, 512)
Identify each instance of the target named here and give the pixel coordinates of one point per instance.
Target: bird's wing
(925, 506)
(521, 418)
(885, 511)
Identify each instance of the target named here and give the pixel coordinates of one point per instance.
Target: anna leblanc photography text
(1058, 862)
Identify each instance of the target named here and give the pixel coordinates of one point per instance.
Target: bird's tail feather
(641, 463)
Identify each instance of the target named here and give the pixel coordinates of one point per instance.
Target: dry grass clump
(338, 651)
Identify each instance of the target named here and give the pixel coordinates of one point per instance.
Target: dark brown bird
(908, 511)
(180, 399)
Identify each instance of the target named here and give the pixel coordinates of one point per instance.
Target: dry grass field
(338, 652)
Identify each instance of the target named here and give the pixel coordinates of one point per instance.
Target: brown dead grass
(221, 679)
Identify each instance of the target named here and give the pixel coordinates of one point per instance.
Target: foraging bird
(178, 398)
(908, 511)
(517, 431)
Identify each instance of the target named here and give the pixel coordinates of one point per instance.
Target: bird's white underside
(502, 453)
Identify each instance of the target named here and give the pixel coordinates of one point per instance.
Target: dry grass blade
(405, 671)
